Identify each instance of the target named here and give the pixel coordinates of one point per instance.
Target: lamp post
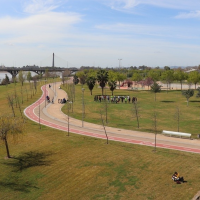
(83, 108)
(119, 62)
(55, 88)
(45, 92)
(39, 114)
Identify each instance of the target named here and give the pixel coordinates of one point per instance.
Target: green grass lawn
(123, 115)
(49, 165)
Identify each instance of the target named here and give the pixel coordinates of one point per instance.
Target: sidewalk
(52, 116)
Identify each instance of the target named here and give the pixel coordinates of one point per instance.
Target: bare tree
(35, 84)
(19, 106)
(106, 108)
(10, 125)
(11, 103)
(136, 112)
(71, 93)
(103, 124)
(15, 97)
(177, 117)
(21, 77)
(65, 75)
(26, 93)
(155, 128)
(22, 95)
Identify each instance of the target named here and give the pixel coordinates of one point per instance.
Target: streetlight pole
(55, 88)
(45, 93)
(68, 116)
(83, 108)
(119, 62)
(39, 114)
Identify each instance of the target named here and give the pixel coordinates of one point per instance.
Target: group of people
(52, 101)
(48, 99)
(62, 100)
(114, 99)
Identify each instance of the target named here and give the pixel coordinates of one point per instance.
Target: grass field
(123, 115)
(49, 165)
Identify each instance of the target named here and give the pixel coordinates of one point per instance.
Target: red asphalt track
(29, 112)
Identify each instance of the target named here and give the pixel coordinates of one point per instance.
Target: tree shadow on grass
(29, 159)
(16, 180)
(195, 101)
(17, 185)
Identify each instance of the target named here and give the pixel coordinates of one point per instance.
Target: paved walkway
(51, 115)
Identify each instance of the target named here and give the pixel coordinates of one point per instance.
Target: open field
(123, 115)
(50, 165)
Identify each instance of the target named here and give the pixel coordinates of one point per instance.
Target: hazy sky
(100, 32)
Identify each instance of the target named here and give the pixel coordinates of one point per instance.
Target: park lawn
(123, 115)
(49, 165)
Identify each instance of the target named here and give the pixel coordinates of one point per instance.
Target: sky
(100, 33)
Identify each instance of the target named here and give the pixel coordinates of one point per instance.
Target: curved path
(51, 115)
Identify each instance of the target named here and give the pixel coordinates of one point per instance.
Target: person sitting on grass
(176, 178)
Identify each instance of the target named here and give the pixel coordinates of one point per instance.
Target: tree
(180, 76)
(188, 93)
(103, 124)
(136, 110)
(21, 77)
(155, 128)
(75, 80)
(194, 77)
(35, 84)
(14, 80)
(148, 81)
(154, 75)
(82, 77)
(91, 80)
(112, 84)
(168, 76)
(129, 82)
(6, 80)
(155, 87)
(120, 77)
(46, 75)
(177, 117)
(198, 94)
(166, 68)
(29, 77)
(65, 75)
(10, 125)
(112, 80)
(102, 78)
(11, 103)
(137, 77)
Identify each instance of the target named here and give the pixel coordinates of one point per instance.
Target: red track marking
(29, 112)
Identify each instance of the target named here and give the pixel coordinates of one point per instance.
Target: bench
(173, 133)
